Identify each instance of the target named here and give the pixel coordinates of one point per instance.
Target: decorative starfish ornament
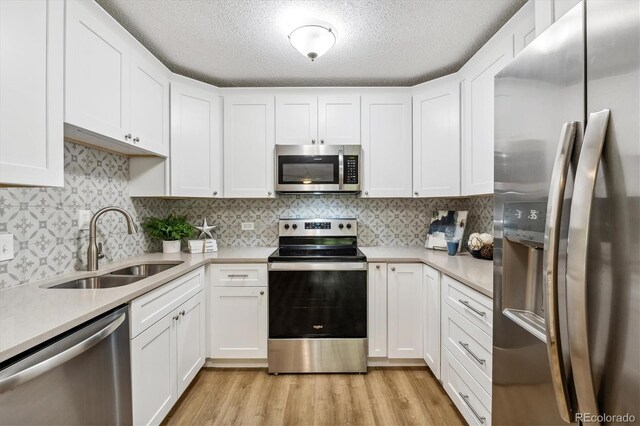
(205, 229)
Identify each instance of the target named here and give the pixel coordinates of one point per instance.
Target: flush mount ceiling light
(313, 40)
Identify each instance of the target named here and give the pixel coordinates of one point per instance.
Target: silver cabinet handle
(52, 361)
(261, 292)
(577, 251)
(377, 266)
(136, 139)
(269, 193)
(468, 305)
(322, 141)
(465, 346)
(238, 275)
(127, 136)
(393, 268)
(550, 267)
(465, 398)
(313, 141)
(366, 192)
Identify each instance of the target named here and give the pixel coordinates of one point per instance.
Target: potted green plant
(170, 230)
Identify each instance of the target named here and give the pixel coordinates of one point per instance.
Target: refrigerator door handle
(550, 268)
(577, 250)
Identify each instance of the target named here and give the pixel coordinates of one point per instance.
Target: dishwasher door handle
(49, 362)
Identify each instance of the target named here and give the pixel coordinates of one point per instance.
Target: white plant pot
(171, 246)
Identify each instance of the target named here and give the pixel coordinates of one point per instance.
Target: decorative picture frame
(446, 224)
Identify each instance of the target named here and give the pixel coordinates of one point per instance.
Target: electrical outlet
(247, 226)
(6, 247)
(84, 217)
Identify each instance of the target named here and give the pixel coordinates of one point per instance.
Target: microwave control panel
(351, 169)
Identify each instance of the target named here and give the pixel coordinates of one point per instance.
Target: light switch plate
(247, 226)
(84, 217)
(6, 247)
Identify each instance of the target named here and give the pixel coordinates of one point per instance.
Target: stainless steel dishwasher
(82, 377)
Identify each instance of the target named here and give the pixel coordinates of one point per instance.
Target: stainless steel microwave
(318, 168)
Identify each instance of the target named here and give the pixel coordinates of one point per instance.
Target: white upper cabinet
(549, 11)
(31, 93)
(249, 146)
(339, 119)
(150, 104)
(386, 144)
(195, 139)
(102, 107)
(296, 119)
(477, 95)
(436, 138)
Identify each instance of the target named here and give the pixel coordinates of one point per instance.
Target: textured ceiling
(380, 42)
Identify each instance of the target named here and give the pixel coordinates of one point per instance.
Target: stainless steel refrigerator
(567, 211)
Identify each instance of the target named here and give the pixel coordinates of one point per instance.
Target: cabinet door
(386, 143)
(149, 104)
(377, 310)
(436, 138)
(239, 322)
(339, 120)
(405, 310)
(190, 338)
(31, 93)
(249, 146)
(549, 11)
(195, 140)
(153, 372)
(296, 119)
(477, 114)
(97, 73)
(431, 315)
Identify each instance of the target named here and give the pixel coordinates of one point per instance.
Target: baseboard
(403, 362)
(262, 363)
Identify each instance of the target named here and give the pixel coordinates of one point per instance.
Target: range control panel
(351, 169)
(318, 227)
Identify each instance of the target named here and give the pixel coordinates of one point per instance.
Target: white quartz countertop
(30, 314)
(474, 273)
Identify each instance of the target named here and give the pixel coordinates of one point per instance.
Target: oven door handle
(340, 168)
(318, 266)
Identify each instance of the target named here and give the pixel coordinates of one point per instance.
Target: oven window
(317, 304)
(308, 169)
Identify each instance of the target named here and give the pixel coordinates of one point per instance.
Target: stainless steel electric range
(318, 298)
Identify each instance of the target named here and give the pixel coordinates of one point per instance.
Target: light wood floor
(388, 396)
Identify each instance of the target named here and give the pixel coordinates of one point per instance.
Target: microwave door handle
(550, 267)
(340, 168)
(577, 253)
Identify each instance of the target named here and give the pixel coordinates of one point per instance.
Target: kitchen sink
(145, 270)
(103, 281)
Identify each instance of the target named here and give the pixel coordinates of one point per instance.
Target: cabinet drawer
(473, 402)
(239, 275)
(149, 308)
(471, 346)
(472, 305)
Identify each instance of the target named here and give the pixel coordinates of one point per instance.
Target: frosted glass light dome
(312, 41)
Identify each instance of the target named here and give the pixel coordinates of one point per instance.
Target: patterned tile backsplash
(48, 242)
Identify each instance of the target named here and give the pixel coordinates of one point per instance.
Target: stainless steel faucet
(94, 252)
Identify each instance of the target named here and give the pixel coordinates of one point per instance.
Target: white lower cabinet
(431, 318)
(168, 353)
(404, 310)
(239, 303)
(377, 310)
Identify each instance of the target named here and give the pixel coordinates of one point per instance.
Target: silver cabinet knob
(415, 193)
(393, 269)
(127, 136)
(269, 193)
(313, 141)
(322, 141)
(182, 312)
(261, 292)
(215, 192)
(136, 139)
(176, 318)
(366, 192)
(377, 266)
